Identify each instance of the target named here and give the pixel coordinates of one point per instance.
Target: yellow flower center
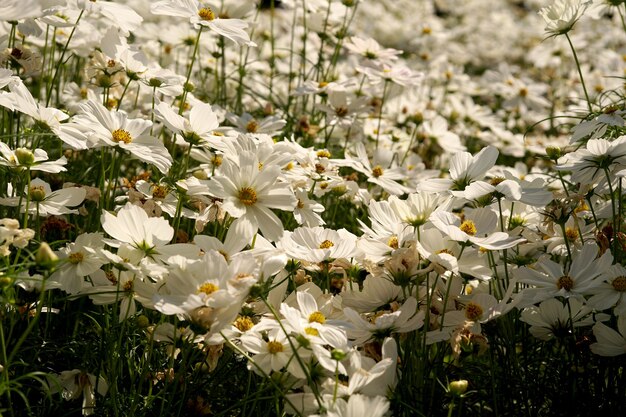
(317, 317)
(252, 126)
(243, 324)
(206, 13)
(208, 288)
(571, 234)
(393, 242)
(341, 111)
(311, 331)
(128, 286)
(76, 258)
(247, 196)
(327, 244)
(377, 171)
(323, 154)
(565, 282)
(159, 191)
(468, 227)
(217, 160)
(274, 347)
(619, 284)
(473, 311)
(120, 135)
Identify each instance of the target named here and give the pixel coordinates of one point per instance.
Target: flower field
(312, 208)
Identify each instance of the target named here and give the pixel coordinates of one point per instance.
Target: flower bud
(458, 387)
(24, 156)
(554, 152)
(45, 256)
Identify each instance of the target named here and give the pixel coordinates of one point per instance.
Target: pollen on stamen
(274, 347)
(571, 234)
(473, 311)
(75, 258)
(377, 171)
(317, 317)
(565, 283)
(206, 13)
(619, 284)
(207, 288)
(159, 191)
(120, 135)
(327, 244)
(468, 227)
(311, 331)
(252, 126)
(247, 196)
(323, 153)
(243, 324)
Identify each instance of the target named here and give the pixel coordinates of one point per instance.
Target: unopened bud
(24, 156)
(554, 152)
(45, 256)
(458, 387)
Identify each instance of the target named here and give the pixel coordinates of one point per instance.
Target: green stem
(181, 109)
(580, 74)
(56, 71)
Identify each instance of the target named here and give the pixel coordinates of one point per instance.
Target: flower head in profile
(75, 384)
(114, 128)
(561, 16)
(203, 15)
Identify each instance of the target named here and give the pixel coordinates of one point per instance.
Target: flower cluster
(312, 198)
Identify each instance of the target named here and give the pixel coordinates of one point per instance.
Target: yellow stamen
(317, 317)
(473, 311)
(207, 288)
(327, 244)
(120, 135)
(206, 13)
(75, 258)
(274, 347)
(247, 196)
(468, 227)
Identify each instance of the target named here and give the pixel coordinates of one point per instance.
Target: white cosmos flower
(249, 193)
(561, 16)
(75, 384)
(477, 227)
(144, 239)
(200, 14)
(610, 291)
(81, 258)
(120, 15)
(464, 169)
(405, 319)
(316, 244)
(36, 160)
(382, 173)
(200, 126)
(114, 128)
(271, 354)
(549, 279)
(553, 318)
(610, 342)
(20, 99)
(47, 202)
(19, 9)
